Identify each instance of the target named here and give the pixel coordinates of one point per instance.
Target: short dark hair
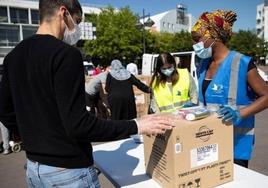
(158, 76)
(47, 8)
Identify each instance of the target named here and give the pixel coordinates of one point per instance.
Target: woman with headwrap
(120, 92)
(228, 81)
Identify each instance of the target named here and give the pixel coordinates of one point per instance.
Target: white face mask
(201, 51)
(72, 36)
(168, 72)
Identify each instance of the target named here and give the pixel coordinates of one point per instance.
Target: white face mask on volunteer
(201, 51)
(168, 72)
(72, 36)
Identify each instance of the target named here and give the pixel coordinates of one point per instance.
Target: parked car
(263, 75)
(89, 68)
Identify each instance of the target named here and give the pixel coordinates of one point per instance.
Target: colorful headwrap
(216, 25)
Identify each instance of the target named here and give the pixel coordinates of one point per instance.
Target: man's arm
(7, 113)
(78, 123)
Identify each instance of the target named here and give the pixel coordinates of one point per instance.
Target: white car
(89, 68)
(263, 75)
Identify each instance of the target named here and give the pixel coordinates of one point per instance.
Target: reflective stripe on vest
(168, 101)
(232, 97)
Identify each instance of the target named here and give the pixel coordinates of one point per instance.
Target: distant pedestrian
(132, 68)
(119, 86)
(94, 91)
(97, 70)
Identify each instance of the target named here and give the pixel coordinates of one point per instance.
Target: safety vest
(229, 86)
(168, 101)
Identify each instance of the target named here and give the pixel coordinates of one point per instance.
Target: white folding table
(122, 162)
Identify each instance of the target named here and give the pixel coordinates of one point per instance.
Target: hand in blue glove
(229, 115)
(188, 105)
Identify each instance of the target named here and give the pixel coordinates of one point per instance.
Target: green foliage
(91, 18)
(117, 36)
(168, 42)
(248, 43)
(182, 42)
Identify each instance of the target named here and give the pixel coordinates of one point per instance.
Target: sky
(245, 9)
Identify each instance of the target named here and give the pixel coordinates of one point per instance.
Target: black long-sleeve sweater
(42, 94)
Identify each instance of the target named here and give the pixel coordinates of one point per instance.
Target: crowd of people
(43, 95)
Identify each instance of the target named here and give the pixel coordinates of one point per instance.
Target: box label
(140, 99)
(177, 148)
(204, 155)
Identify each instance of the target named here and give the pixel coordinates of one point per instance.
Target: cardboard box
(142, 99)
(196, 154)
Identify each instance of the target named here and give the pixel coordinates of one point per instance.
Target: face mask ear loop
(71, 19)
(212, 43)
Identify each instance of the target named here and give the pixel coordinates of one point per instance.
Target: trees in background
(248, 43)
(118, 37)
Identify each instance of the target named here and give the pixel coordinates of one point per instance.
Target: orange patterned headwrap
(216, 25)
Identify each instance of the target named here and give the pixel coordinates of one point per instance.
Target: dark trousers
(92, 102)
(241, 162)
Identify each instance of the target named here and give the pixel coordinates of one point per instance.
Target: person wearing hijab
(121, 97)
(228, 80)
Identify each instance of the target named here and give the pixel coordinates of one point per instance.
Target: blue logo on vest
(218, 89)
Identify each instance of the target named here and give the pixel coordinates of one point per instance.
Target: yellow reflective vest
(168, 101)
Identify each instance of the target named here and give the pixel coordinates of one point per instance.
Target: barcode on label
(177, 148)
(204, 155)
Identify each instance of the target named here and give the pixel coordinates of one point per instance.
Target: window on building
(87, 29)
(3, 14)
(164, 24)
(258, 31)
(28, 31)
(18, 15)
(9, 35)
(35, 16)
(94, 34)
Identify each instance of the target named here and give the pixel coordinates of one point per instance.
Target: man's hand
(154, 124)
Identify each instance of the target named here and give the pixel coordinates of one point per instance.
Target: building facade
(262, 23)
(173, 21)
(19, 19)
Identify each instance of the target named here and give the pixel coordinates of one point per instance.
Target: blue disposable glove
(229, 115)
(188, 105)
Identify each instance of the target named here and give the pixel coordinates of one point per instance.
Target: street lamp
(148, 23)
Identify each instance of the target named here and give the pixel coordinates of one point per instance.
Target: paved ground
(12, 174)
(264, 68)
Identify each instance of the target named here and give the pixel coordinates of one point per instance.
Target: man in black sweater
(42, 95)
